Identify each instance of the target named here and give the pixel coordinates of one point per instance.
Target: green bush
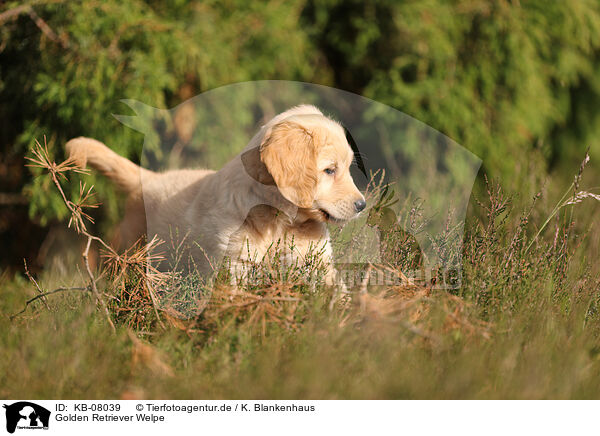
(508, 80)
(500, 78)
(68, 82)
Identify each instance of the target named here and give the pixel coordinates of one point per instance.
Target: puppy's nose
(360, 205)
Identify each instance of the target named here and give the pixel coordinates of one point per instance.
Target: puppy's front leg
(331, 278)
(334, 281)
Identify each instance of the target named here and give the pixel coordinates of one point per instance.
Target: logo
(26, 415)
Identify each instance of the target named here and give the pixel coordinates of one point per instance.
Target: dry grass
(525, 299)
(132, 279)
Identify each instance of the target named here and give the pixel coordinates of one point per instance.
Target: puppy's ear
(288, 151)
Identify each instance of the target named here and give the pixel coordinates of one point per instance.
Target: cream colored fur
(280, 187)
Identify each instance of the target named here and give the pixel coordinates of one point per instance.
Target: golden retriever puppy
(290, 181)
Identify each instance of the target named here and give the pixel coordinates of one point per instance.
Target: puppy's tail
(88, 151)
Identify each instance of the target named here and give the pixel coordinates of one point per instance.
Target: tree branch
(39, 22)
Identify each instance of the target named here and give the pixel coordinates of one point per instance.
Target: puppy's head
(309, 158)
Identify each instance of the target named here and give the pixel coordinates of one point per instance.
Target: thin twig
(154, 305)
(44, 295)
(563, 202)
(99, 299)
(42, 160)
(30, 277)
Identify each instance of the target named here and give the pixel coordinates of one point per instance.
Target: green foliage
(500, 78)
(517, 83)
(70, 84)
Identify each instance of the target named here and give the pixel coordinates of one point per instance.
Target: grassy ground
(524, 324)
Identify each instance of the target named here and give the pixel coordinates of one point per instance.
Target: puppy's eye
(330, 171)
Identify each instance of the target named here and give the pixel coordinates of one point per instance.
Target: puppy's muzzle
(359, 205)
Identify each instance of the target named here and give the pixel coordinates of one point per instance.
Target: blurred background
(517, 83)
